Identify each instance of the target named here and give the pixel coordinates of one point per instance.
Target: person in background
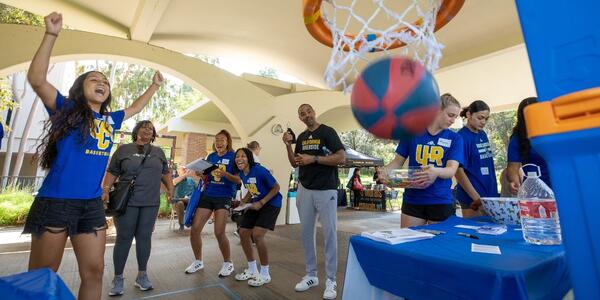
(254, 146)
(476, 176)
(184, 187)
(377, 178)
(521, 153)
(357, 187)
(142, 208)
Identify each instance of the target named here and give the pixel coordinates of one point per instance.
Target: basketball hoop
(350, 49)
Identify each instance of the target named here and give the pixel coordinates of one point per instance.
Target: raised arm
(143, 99)
(39, 64)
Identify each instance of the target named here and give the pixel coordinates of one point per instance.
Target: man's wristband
(51, 33)
(316, 159)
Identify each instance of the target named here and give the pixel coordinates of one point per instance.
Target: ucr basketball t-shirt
(478, 165)
(79, 165)
(220, 186)
(259, 182)
(435, 150)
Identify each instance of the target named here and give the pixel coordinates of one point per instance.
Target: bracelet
(316, 159)
(50, 33)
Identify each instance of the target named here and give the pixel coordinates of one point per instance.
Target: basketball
(395, 98)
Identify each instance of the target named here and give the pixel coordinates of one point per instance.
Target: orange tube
(316, 25)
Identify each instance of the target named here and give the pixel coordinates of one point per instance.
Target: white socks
(264, 271)
(252, 267)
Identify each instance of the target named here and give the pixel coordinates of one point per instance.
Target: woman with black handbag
(75, 149)
(144, 167)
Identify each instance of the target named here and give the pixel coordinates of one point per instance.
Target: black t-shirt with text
(322, 142)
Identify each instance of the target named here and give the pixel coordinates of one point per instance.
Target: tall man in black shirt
(317, 153)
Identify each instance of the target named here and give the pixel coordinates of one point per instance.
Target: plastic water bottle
(539, 216)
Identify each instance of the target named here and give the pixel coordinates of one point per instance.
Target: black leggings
(356, 198)
(137, 222)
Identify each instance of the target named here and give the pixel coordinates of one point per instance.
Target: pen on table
(468, 235)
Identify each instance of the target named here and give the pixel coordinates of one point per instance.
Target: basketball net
(349, 50)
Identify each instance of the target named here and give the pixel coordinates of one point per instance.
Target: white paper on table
(490, 249)
(199, 165)
(242, 207)
(397, 236)
(467, 227)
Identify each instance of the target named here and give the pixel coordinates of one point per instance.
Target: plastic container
(406, 178)
(503, 210)
(538, 212)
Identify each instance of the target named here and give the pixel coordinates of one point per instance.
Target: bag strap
(139, 169)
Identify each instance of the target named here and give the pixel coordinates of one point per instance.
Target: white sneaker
(226, 269)
(195, 267)
(259, 281)
(306, 283)
(245, 275)
(330, 287)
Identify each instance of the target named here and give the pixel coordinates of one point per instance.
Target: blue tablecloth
(445, 268)
(34, 285)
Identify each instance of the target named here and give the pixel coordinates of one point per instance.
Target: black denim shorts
(265, 217)
(214, 203)
(73, 216)
(429, 212)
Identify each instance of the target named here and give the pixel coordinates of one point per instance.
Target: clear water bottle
(539, 216)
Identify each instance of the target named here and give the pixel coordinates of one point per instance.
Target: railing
(21, 182)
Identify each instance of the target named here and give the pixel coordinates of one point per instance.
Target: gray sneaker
(143, 282)
(117, 289)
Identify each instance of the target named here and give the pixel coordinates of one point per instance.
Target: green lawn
(14, 206)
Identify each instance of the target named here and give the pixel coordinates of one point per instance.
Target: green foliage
(499, 129)
(14, 206)
(164, 210)
(6, 97)
(268, 73)
(130, 81)
(12, 15)
(364, 142)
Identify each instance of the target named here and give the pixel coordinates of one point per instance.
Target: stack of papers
(397, 236)
(201, 165)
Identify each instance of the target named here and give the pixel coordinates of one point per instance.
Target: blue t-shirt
(259, 182)
(434, 150)
(478, 165)
(514, 155)
(221, 186)
(79, 166)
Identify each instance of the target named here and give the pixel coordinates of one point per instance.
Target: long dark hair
(475, 106)
(138, 126)
(520, 128)
(68, 118)
(250, 157)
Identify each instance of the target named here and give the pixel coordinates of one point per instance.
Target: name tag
(485, 171)
(444, 142)
(225, 161)
(252, 180)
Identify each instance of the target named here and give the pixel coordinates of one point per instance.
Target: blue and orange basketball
(395, 98)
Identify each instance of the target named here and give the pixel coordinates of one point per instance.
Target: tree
(268, 73)
(12, 15)
(128, 81)
(499, 128)
(364, 142)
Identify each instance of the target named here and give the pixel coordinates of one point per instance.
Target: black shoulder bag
(122, 191)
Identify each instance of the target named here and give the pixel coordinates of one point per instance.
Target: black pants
(356, 198)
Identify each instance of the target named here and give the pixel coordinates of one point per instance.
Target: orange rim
(316, 25)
